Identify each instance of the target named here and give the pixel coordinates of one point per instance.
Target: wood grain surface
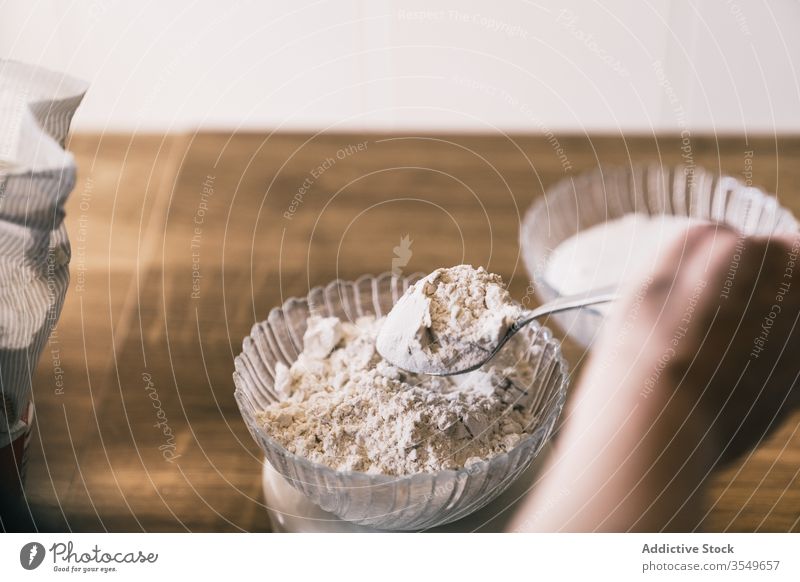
(182, 242)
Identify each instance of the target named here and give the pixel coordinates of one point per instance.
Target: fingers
(682, 277)
(697, 239)
(790, 241)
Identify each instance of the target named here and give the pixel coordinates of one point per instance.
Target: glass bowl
(411, 502)
(610, 192)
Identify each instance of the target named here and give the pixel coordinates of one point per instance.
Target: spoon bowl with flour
(456, 319)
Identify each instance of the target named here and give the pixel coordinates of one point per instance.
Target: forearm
(626, 460)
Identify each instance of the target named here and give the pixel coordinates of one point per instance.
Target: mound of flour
(346, 407)
(612, 252)
(448, 321)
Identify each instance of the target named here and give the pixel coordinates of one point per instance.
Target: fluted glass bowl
(607, 193)
(412, 502)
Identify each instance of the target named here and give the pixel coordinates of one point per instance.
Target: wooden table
(182, 242)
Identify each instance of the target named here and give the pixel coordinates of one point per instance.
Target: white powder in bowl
(448, 321)
(609, 253)
(345, 407)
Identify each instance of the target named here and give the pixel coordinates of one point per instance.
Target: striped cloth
(36, 176)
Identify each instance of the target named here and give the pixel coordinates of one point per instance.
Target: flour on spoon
(451, 319)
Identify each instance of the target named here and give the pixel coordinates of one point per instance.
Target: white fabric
(36, 176)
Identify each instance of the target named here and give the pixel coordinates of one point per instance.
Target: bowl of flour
(610, 226)
(379, 446)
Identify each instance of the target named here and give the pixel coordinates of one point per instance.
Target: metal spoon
(471, 356)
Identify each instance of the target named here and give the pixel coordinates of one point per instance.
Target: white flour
(448, 321)
(347, 408)
(609, 253)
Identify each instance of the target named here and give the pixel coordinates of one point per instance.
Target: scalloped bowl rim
(540, 206)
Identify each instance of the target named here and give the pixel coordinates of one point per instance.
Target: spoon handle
(601, 295)
(593, 297)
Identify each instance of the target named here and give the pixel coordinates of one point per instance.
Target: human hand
(716, 328)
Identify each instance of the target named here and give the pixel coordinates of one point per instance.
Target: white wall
(724, 65)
